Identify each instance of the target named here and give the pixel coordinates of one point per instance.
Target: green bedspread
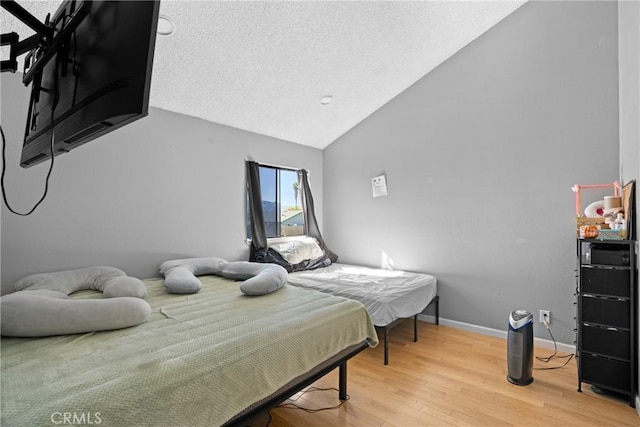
(199, 360)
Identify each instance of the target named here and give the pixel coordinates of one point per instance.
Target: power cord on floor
(289, 404)
(292, 405)
(547, 359)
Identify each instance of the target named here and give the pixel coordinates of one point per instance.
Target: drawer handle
(605, 297)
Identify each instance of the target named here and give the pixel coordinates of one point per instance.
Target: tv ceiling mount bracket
(48, 40)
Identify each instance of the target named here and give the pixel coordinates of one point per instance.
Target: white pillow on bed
(259, 279)
(111, 281)
(40, 306)
(180, 274)
(43, 312)
(296, 250)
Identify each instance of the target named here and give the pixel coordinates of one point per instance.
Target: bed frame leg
(437, 309)
(386, 345)
(342, 381)
(415, 328)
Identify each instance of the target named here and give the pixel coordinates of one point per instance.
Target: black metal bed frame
(339, 361)
(385, 329)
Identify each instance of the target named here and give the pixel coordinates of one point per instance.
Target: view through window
(281, 202)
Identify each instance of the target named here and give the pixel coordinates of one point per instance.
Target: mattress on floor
(387, 295)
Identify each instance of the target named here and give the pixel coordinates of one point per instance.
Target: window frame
(279, 236)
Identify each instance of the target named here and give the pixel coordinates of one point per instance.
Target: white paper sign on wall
(379, 185)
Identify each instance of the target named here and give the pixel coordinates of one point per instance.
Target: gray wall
(163, 187)
(629, 65)
(629, 93)
(480, 157)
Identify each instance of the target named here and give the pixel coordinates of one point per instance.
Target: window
(281, 202)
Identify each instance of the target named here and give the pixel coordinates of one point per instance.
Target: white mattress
(387, 295)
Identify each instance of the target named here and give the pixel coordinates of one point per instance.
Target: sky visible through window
(268, 187)
(281, 203)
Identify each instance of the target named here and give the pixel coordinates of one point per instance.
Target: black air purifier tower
(520, 347)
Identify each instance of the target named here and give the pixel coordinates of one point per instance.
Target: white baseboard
(638, 405)
(539, 342)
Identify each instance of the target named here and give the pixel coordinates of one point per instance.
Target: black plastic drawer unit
(608, 373)
(607, 256)
(606, 321)
(606, 281)
(605, 341)
(606, 311)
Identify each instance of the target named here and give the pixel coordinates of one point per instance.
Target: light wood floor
(452, 377)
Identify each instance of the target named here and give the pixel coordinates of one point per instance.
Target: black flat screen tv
(102, 71)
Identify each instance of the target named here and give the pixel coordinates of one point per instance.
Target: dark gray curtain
(259, 251)
(310, 222)
(258, 232)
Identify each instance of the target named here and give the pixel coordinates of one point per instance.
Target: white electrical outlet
(545, 316)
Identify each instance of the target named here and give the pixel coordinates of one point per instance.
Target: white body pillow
(41, 313)
(259, 279)
(111, 281)
(40, 306)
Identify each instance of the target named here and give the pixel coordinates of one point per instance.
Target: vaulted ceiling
(264, 66)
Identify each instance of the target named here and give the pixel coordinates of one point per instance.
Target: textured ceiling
(263, 66)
